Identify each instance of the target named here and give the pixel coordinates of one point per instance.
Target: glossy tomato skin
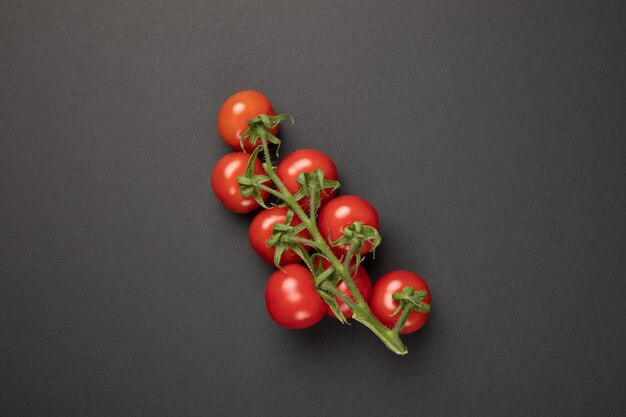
(363, 284)
(232, 119)
(225, 186)
(261, 230)
(306, 160)
(341, 212)
(291, 298)
(382, 303)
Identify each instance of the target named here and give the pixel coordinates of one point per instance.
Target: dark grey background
(489, 135)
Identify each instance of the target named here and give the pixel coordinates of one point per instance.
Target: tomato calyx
(259, 128)
(356, 235)
(314, 183)
(409, 300)
(250, 183)
(285, 236)
(288, 236)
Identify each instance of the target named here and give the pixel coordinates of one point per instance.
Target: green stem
(335, 291)
(350, 282)
(313, 204)
(349, 254)
(304, 241)
(406, 311)
(360, 310)
(271, 191)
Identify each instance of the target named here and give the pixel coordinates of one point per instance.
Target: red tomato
(306, 160)
(291, 298)
(225, 186)
(382, 303)
(341, 212)
(232, 119)
(363, 284)
(261, 230)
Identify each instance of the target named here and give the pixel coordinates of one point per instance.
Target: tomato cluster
(291, 295)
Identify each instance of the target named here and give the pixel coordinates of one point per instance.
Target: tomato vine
(306, 222)
(285, 236)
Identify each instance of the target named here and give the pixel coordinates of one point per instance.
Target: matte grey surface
(489, 135)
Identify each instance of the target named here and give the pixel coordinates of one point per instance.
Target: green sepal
(298, 229)
(314, 182)
(334, 305)
(280, 232)
(299, 195)
(278, 253)
(357, 234)
(249, 181)
(304, 255)
(258, 127)
(311, 180)
(324, 276)
(257, 197)
(249, 171)
(281, 239)
(332, 277)
(317, 265)
(249, 187)
(412, 299)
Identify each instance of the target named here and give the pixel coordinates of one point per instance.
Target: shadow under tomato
(318, 340)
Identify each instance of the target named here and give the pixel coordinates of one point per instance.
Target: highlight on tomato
(383, 305)
(261, 230)
(341, 212)
(226, 187)
(232, 119)
(306, 160)
(292, 299)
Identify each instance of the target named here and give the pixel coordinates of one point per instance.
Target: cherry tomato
(306, 160)
(291, 298)
(232, 119)
(225, 186)
(261, 230)
(363, 284)
(383, 305)
(341, 212)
